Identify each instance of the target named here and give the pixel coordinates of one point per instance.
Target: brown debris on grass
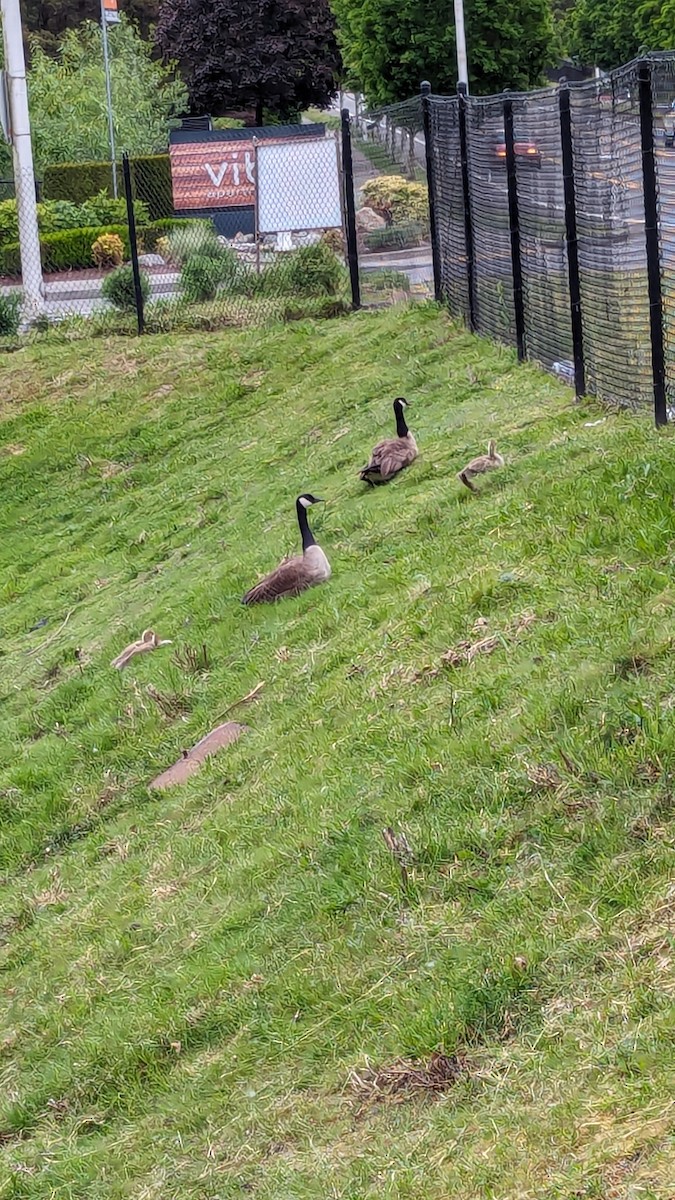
(465, 652)
(191, 760)
(147, 641)
(398, 846)
(544, 777)
(406, 1078)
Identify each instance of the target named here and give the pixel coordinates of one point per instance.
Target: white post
(108, 93)
(22, 150)
(460, 37)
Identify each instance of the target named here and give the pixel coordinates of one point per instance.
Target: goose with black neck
(297, 574)
(394, 454)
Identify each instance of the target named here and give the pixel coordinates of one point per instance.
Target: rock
(243, 237)
(151, 260)
(367, 220)
(306, 238)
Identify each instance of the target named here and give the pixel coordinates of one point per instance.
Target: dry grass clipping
(406, 1078)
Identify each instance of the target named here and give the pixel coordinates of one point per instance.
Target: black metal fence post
(131, 218)
(571, 240)
(350, 209)
(425, 89)
(514, 226)
(462, 98)
(652, 240)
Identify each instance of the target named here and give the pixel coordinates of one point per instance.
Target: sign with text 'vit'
(212, 174)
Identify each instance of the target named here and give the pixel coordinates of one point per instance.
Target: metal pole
(460, 38)
(350, 209)
(108, 91)
(514, 224)
(425, 89)
(652, 241)
(131, 218)
(466, 193)
(572, 242)
(22, 150)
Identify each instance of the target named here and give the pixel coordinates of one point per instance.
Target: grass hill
(208, 993)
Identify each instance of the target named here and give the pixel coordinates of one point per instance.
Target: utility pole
(460, 38)
(109, 16)
(22, 151)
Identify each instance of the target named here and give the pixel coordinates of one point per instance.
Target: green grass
(189, 980)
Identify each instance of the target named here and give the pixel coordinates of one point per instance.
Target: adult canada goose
(478, 466)
(391, 456)
(294, 575)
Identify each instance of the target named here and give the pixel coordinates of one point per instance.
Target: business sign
(212, 174)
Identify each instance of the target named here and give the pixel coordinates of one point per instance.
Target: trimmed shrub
(101, 210)
(69, 250)
(79, 182)
(118, 288)
(10, 315)
(395, 237)
(108, 250)
(202, 275)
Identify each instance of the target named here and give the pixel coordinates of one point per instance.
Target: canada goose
(294, 575)
(479, 466)
(391, 456)
(147, 641)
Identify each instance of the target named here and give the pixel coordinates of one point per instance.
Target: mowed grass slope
(189, 980)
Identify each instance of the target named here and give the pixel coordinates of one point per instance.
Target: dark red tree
(236, 55)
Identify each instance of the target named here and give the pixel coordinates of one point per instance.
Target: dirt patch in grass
(407, 1078)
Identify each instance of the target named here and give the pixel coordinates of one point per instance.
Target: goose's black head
(401, 402)
(307, 499)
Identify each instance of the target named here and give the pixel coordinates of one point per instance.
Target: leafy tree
(275, 55)
(67, 97)
(389, 46)
(45, 21)
(608, 33)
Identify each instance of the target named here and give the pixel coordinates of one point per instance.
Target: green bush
(396, 199)
(311, 271)
(57, 215)
(197, 238)
(10, 315)
(102, 210)
(202, 275)
(79, 182)
(118, 287)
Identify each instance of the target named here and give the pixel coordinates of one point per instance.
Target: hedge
(70, 249)
(150, 173)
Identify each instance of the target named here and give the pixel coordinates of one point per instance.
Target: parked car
(528, 151)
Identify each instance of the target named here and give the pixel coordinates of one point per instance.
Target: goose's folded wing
(290, 578)
(394, 456)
